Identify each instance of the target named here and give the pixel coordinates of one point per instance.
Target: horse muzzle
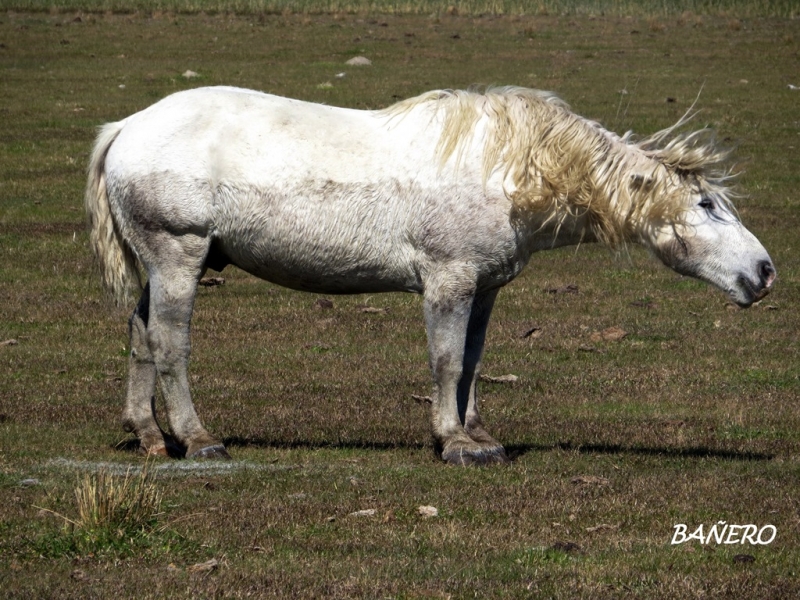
(757, 291)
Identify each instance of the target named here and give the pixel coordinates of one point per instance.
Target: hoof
(465, 457)
(215, 452)
(163, 445)
(154, 450)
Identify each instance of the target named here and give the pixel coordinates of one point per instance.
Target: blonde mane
(562, 164)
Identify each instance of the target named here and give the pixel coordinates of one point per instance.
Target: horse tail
(117, 262)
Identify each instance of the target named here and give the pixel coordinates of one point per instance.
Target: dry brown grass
(107, 501)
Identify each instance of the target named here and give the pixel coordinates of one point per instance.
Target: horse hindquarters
(164, 229)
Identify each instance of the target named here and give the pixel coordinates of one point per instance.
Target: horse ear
(641, 182)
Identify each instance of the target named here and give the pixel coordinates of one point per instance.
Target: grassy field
(647, 8)
(691, 419)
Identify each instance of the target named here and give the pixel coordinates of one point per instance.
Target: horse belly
(313, 268)
(335, 242)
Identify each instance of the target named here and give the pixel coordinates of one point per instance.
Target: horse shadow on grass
(514, 451)
(242, 442)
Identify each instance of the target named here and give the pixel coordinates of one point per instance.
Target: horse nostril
(767, 273)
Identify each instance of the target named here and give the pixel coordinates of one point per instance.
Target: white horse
(446, 195)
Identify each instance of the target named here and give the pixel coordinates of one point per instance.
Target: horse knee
(447, 367)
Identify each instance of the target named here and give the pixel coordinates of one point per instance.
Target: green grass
(692, 418)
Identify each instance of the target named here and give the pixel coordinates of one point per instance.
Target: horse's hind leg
(139, 415)
(173, 286)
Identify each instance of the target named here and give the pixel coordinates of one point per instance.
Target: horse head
(707, 240)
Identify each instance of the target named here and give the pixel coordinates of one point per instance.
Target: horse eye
(706, 204)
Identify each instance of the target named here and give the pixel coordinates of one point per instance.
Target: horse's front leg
(455, 344)
(476, 335)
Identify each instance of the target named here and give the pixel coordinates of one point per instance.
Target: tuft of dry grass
(112, 506)
(106, 501)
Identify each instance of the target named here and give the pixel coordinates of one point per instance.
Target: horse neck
(570, 182)
(633, 192)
